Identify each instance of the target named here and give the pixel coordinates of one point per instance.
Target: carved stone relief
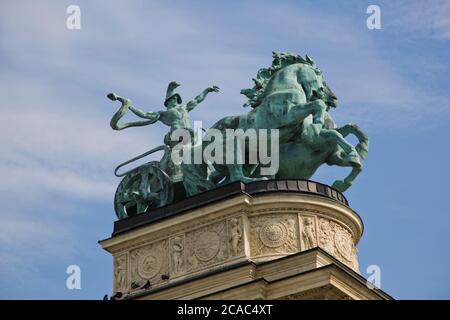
(149, 262)
(120, 272)
(206, 246)
(337, 240)
(177, 254)
(235, 236)
(343, 242)
(308, 232)
(197, 249)
(273, 234)
(355, 259)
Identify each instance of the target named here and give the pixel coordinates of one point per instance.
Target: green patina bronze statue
(150, 185)
(290, 97)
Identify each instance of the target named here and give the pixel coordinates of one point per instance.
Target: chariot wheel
(141, 189)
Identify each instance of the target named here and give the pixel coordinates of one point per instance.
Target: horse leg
(337, 159)
(324, 136)
(195, 175)
(313, 116)
(363, 140)
(195, 178)
(341, 186)
(334, 136)
(235, 169)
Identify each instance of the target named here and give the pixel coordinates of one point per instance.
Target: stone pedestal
(265, 240)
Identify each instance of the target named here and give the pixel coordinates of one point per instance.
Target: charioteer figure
(150, 185)
(176, 116)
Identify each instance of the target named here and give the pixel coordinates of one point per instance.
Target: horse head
(315, 87)
(309, 77)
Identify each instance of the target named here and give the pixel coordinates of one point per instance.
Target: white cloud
(419, 18)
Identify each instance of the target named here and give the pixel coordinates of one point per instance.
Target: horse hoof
(340, 185)
(250, 180)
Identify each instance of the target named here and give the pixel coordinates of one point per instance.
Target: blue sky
(58, 151)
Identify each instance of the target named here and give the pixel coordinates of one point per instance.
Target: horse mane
(280, 60)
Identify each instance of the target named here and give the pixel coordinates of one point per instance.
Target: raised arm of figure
(198, 99)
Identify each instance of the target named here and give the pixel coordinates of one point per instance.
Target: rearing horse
(293, 97)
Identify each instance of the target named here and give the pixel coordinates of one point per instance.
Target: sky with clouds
(58, 152)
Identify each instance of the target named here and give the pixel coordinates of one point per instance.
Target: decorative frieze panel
(235, 237)
(185, 248)
(308, 227)
(337, 241)
(149, 262)
(207, 246)
(121, 272)
(285, 233)
(273, 234)
(177, 255)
